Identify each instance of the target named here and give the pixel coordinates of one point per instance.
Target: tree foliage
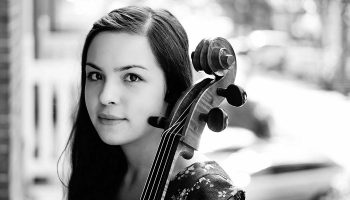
(250, 14)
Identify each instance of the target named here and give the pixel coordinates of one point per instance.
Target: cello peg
(158, 122)
(216, 119)
(234, 95)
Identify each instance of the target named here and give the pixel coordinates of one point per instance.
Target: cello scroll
(215, 57)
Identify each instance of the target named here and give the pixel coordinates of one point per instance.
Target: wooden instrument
(197, 107)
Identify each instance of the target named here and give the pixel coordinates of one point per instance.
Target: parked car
(275, 168)
(268, 49)
(252, 116)
(273, 50)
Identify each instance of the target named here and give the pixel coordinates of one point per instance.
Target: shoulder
(203, 180)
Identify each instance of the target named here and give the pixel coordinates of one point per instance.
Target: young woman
(135, 64)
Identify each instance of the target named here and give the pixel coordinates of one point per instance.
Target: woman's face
(124, 86)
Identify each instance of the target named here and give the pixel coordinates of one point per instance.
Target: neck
(140, 155)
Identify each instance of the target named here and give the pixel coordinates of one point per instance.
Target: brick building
(10, 98)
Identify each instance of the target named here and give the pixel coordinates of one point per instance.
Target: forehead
(119, 48)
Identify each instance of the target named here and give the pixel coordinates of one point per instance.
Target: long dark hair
(98, 169)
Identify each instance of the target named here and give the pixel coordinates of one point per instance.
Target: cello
(196, 108)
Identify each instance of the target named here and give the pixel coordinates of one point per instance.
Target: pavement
(50, 191)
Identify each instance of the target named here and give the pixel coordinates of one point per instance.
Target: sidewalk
(312, 116)
(45, 192)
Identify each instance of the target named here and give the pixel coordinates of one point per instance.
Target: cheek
(148, 107)
(140, 123)
(151, 107)
(90, 101)
(148, 104)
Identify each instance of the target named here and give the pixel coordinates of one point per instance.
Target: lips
(108, 119)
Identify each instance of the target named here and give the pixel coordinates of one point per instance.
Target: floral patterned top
(203, 181)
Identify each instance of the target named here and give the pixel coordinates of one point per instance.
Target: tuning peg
(234, 95)
(216, 119)
(158, 122)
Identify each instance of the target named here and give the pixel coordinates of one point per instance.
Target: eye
(94, 76)
(132, 78)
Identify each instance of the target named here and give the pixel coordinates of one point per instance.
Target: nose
(110, 93)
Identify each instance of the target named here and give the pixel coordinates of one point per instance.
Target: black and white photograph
(174, 99)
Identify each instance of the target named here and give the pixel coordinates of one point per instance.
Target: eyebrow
(123, 68)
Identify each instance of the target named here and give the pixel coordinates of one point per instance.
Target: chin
(112, 140)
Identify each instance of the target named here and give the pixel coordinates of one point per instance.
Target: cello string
(174, 126)
(167, 158)
(157, 160)
(159, 163)
(161, 174)
(151, 190)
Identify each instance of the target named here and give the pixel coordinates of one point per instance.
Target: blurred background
(289, 141)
